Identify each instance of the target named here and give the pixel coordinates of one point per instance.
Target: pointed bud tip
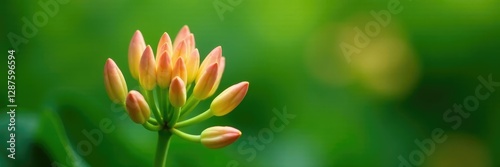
(137, 36)
(245, 83)
(186, 27)
(218, 50)
(109, 62)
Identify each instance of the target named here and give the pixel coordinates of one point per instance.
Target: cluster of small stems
(166, 79)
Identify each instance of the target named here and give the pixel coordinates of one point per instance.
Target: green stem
(159, 96)
(188, 88)
(153, 121)
(166, 104)
(151, 126)
(188, 137)
(191, 103)
(203, 116)
(153, 107)
(175, 117)
(162, 148)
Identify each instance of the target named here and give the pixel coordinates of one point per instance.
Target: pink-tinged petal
(177, 92)
(206, 82)
(164, 45)
(164, 70)
(147, 69)
(183, 33)
(135, 50)
(180, 69)
(116, 87)
(212, 57)
(229, 99)
(180, 51)
(190, 42)
(192, 64)
(220, 71)
(137, 107)
(219, 136)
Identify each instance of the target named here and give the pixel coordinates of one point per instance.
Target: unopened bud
(219, 136)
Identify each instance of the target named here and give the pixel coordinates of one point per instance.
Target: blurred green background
(365, 112)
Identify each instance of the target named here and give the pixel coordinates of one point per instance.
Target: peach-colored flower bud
(220, 71)
(180, 69)
(115, 82)
(177, 92)
(212, 57)
(183, 33)
(180, 51)
(137, 107)
(164, 45)
(147, 69)
(192, 64)
(206, 82)
(226, 101)
(190, 42)
(135, 50)
(164, 70)
(219, 136)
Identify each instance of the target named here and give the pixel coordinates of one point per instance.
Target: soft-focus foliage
(363, 113)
